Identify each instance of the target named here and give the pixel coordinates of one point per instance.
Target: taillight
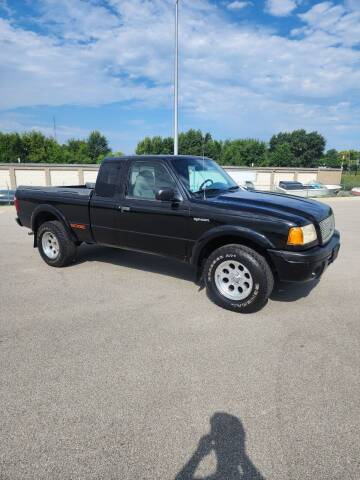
(16, 204)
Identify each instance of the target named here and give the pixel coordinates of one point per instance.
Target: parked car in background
(355, 191)
(332, 189)
(300, 190)
(7, 197)
(249, 185)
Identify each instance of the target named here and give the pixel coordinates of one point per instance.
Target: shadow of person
(227, 440)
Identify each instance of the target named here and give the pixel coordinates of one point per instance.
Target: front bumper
(305, 265)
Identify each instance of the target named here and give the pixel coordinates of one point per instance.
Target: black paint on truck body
(186, 229)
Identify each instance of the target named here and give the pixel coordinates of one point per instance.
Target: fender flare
(225, 231)
(43, 208)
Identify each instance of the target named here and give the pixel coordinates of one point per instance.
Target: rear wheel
(238, 278)
(54, 244)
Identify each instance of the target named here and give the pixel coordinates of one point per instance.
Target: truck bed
(71, 201)
(63, 190)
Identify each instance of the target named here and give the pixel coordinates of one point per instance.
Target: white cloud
(20, 122)
(243, 80)
(238, 5)
(281, 8)
(39, 70)
(119, 138)
(352, 4)
(323, 14)
(335, 23)
(76, 19)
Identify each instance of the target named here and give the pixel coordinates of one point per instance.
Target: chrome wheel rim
(50, 245)
(233, 280)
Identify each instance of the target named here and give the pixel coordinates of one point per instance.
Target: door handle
(124, 209)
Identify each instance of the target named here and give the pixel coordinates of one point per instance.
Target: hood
(274, 204)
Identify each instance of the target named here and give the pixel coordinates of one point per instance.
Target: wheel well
(227, 240)
(47, 216)
(43, 217)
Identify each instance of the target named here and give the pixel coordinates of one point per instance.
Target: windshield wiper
(232, 189)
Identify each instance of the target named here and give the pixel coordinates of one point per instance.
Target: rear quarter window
(109, 179)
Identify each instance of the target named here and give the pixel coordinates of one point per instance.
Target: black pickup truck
(190, 209)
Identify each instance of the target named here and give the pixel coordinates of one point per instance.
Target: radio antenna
(54, 125)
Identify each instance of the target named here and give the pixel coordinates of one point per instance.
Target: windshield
(203, 175)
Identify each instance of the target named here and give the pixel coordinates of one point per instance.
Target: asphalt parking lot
(119, 367)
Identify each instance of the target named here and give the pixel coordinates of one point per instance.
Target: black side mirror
(167, 195)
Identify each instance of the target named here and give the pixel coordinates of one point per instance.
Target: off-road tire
(67, 248)
(262, 277)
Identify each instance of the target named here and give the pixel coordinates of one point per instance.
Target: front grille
(327, 228)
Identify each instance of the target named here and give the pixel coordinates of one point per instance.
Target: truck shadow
(283, 292)
(290, 292)
(136, 260)
(226, 440)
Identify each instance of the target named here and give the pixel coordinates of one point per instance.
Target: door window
(147, 178)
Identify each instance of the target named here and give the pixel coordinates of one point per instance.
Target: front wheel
(54, 244)
(238, 278)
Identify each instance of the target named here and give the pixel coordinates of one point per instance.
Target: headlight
(302, 235)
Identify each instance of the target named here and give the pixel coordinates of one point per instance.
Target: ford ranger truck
(187, 208)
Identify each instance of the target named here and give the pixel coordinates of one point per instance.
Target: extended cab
(190, 209)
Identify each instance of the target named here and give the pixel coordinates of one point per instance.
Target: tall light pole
(176, 81)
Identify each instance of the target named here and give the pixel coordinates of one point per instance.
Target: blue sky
(247, 68)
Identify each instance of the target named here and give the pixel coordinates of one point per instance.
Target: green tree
(118, 153)
(350, 159)
(307, 148)
(37, 147)
(76, 151)
(157, 145)
(168, 146)
(244, 152)
(192, 142)
(282, 156)
(97, 145)
(331, 159)
(213, 149)
(111, 154)
(144, 147)
(55, 153)
(154, 146)
(11, 148)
